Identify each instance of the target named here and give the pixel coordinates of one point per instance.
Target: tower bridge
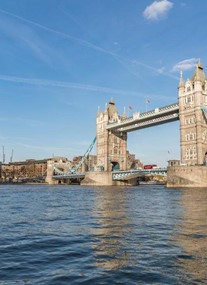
(112, 130)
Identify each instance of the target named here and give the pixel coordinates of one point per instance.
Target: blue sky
(60, 60)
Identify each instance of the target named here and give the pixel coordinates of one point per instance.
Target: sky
(62, 60)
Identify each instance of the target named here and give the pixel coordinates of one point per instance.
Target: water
(102, 235)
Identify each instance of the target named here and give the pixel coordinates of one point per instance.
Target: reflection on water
(110, 211)
(192, 237)
(90, 235)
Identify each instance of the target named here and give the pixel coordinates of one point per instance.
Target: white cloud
(157, 10)
(185, 64)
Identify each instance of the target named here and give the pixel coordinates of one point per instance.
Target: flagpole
(129, 108)
(147, 101)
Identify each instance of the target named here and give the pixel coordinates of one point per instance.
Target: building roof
(112, 110)
(199, 74)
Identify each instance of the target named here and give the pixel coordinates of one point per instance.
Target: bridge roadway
(154, 117)
(116, 175)
(129, 174)
(68, 175)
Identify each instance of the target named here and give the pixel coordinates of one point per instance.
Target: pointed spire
(199, 62)
(199, 73)
(112, 101)
(124, 113)
(181, 82)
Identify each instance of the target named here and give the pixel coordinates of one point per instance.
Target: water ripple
(102, 235)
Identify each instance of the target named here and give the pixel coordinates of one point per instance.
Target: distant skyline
(61, 60)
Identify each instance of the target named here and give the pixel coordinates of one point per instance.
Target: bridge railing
(156, 169)
(143, 115)
(124, 175)
(69, 175)
(150, 122)
(160, 110)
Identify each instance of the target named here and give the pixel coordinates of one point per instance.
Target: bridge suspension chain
(204, 109)
(57, 169)
(75, 168)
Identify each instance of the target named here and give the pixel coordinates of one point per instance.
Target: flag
(147, 100)
(130, 107)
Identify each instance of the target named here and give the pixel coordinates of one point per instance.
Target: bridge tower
(193, 122)
(111, 145)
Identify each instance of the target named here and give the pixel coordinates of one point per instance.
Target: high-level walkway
(154, 117)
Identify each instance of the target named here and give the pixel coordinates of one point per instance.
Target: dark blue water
(102, 235)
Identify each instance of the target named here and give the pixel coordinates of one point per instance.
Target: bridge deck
(69, 176)
(129, 174)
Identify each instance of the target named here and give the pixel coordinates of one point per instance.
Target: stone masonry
(111, 146)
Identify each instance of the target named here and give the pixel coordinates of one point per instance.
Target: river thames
(60, 235)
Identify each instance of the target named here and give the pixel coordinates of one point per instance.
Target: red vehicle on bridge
(150, 166)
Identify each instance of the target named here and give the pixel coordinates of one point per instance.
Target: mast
(12, 153)
(3, 161)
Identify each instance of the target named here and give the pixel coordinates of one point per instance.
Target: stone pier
(105, 179)
(187, 176)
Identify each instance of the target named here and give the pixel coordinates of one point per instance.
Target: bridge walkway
(154, 117)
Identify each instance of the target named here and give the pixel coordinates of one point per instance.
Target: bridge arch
(133, 165)
(115, 166)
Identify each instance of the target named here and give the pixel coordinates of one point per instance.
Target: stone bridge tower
(193, 122)
(111, 146)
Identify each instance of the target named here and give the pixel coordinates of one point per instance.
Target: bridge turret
(181, 86)
(181, 82)
(192, 94)
(111, 146)
(199, 74)
(198, 78)
(113, 115)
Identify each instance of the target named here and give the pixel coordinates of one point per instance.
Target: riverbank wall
(187, 176)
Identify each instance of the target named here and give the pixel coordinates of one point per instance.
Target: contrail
(117, 57)
(42, 82)
(63, 84)
(80, 41)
